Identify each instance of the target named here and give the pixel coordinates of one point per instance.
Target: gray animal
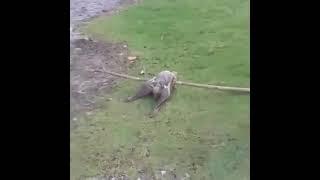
(160, 86)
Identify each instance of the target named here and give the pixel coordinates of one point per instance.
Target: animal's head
(175, 73)
(175, 77)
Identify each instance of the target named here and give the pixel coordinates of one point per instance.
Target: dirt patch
(89, 83)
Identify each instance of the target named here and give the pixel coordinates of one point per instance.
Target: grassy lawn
(204, 133)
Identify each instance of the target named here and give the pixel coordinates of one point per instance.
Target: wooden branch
(185, 83)
(214, 86)
(125, 76)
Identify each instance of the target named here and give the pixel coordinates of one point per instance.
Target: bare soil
(87, 83)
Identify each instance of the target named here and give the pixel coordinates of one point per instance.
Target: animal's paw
(152, 114)
(129, 99)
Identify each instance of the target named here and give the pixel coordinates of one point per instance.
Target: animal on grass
(160, 87)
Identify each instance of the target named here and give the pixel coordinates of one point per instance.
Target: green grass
(202, 132)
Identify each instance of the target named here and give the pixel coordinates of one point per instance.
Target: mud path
(89, 85)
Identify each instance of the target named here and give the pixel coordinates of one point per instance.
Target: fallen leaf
(187, 175)
(131, 58)
(78, 49)
(163, 173)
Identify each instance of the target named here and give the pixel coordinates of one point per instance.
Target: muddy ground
(88, 83)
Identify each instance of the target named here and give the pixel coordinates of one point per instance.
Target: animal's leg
(144, 90)
(163, 98)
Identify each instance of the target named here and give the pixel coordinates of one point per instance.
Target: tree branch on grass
(239, 89)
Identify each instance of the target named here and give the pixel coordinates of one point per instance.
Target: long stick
(215, 87)
(125, 76)
(185, 83)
